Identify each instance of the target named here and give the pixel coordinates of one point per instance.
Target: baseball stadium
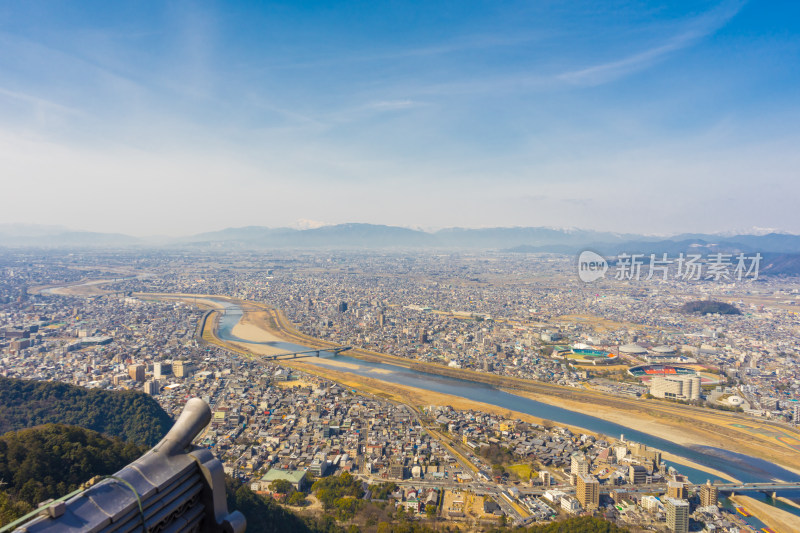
(645, 372)
(659, 370)
(585, 355)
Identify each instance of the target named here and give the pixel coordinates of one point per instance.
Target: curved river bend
(742, 467)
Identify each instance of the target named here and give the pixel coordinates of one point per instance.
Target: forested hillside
(707, 307)
(129, 415)
(52, 460)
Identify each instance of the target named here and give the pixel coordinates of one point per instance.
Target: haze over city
(146, 119)
(407, 267)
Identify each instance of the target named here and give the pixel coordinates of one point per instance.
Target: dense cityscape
(95, 320)
(400, 267)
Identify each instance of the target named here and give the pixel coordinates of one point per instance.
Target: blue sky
(146, 118)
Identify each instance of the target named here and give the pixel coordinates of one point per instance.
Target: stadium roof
(664, 349)
(632, 348)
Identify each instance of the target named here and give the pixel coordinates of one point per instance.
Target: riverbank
(203, 301)
(80, 288)
(415, 397)
(787, 501)
(676, 423)
(678, 435)
(778, 519)
(250, 328)
(422, 398)
(678, 461)
(680, 424)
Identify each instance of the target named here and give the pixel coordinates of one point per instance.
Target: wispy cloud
(690, 33)
(475, 42)
(469, 43)
(474, 112)
(698, 28)
(370, 109)
(606, 72)
(41, 104)
(389, 105)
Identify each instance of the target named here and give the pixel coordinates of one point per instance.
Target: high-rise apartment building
(181, 369)
(709, 494)
(637, 474)
(152, 387)
(677, 515)
(676, 490)
(588, 492)
(579, 464)
(136, 372)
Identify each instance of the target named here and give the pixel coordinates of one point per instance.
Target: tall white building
(676, 387)
(579, 465)
(152, 387)
(650, 503)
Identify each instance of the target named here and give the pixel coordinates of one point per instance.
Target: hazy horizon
(150, 119)
(21, 229)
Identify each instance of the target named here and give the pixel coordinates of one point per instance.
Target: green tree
(130, 415)
(52, 460)
(281, 486)
(297, 499)
(329, 489)
(11, 508)
(346, 507)
(266, 516)
(382, 490)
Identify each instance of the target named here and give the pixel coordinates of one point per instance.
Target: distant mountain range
(365, 236)
(374, 236)
(34, 235)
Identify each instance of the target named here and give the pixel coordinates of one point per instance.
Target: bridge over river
(768, 487)
(306, 353)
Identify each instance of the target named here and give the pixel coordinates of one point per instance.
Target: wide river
(742, 467)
